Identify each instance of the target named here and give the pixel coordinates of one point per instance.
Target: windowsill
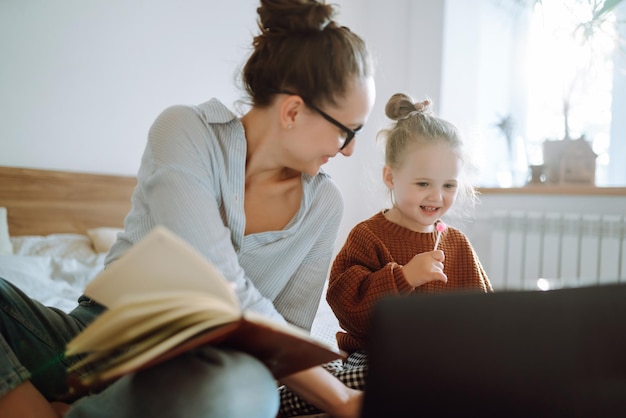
(556, 190)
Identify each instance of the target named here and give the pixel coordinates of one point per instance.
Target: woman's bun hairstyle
(301, 49)
(300, 16)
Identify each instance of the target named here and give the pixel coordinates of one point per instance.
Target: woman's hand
(60, 408)
(351, 408)
(324, 391)
(424, 268)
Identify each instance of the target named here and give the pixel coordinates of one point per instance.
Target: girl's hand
(424, 268)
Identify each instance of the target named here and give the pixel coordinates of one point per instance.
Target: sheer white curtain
(509, 67)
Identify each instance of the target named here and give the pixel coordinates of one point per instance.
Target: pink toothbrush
(440, 226)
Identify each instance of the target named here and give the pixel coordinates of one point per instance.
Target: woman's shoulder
(322, 186)
(209, 112)
(207, 129)
(214, 111)
(322, 198)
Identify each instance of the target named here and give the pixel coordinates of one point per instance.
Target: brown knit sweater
(367, 268)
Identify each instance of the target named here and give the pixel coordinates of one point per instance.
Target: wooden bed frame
(42, 202)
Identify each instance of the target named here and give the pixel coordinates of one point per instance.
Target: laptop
(558, 353)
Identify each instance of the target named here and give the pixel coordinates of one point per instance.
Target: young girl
(248, 192)
(392, 253)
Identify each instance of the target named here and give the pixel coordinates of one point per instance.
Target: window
(545, 70)
(570, 84)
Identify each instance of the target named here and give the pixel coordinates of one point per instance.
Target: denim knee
(205, 382)
(29, 348)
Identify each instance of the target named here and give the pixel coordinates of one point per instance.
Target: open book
(163, 299)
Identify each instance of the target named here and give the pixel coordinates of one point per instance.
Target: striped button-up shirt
(192, 181)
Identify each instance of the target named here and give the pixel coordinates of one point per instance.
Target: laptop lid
(528, 353)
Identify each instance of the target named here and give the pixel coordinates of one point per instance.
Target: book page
(137, 316)
(160, 262)
(146, 349)
(162, 321)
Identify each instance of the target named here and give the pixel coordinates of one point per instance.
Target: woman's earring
(289, 126)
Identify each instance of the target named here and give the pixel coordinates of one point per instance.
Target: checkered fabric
(352, 373)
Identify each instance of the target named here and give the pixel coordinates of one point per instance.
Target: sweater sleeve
(482, 275)
(362, 273)
(462, 266)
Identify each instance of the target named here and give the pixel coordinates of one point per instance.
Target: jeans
(206, 382)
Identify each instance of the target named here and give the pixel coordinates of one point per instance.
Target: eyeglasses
(350, 134)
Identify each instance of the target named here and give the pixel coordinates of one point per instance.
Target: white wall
(81, 81)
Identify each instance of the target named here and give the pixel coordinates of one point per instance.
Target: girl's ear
(388, 177)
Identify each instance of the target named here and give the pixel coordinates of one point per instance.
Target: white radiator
(530, 250)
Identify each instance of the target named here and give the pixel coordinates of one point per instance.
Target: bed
(57, 226)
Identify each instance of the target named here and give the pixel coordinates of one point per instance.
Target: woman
(249, 194)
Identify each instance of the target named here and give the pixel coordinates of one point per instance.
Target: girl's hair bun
(400, 106)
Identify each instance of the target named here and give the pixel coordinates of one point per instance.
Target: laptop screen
(527, 353)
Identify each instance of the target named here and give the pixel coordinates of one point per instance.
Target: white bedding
(55, 269)
(52, 269)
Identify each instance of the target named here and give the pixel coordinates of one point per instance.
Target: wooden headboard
(42, 202)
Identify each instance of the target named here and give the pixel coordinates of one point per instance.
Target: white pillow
(103, 238)
(75, 246)
(6, 248)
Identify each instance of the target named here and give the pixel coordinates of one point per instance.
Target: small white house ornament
(569, 161)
